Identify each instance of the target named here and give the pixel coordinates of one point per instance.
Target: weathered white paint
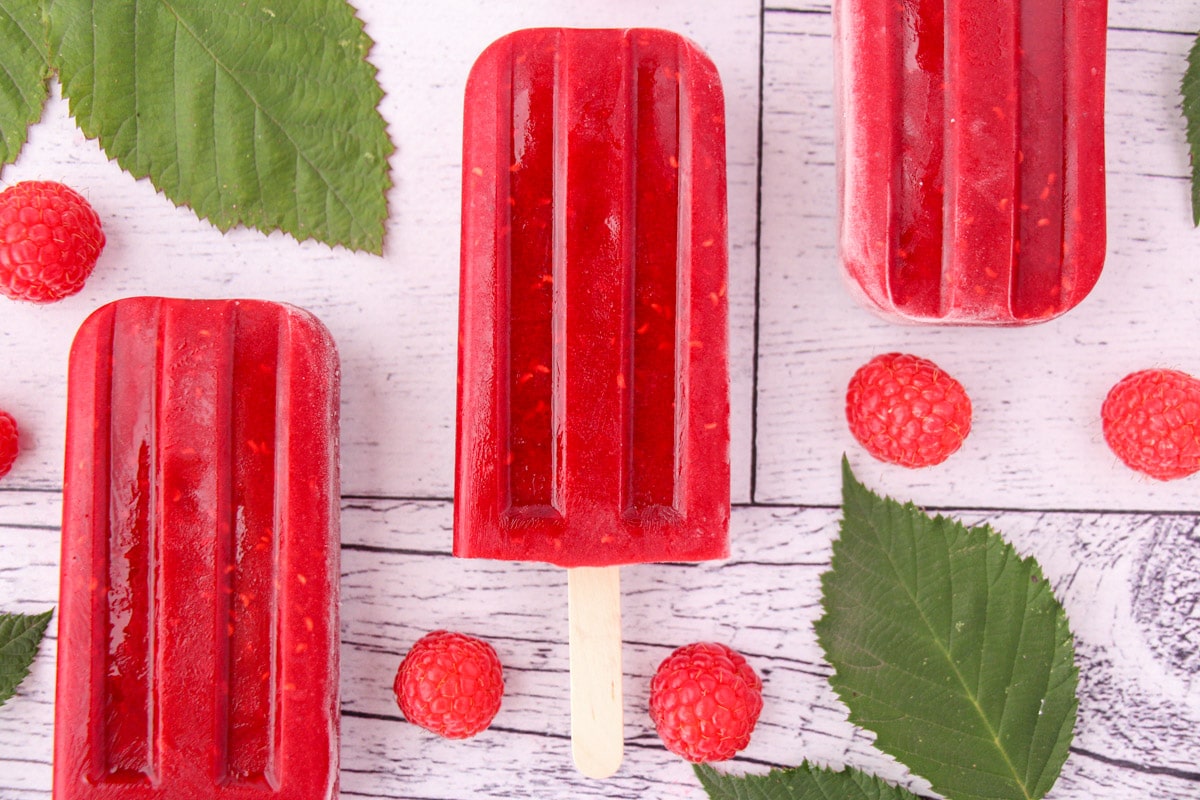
(1129, 580)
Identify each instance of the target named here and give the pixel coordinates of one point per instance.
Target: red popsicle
(593, 404)
(971, 156)
(198, 626)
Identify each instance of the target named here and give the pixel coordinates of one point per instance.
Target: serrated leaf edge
(1189, 87)
(38, 104)
(707, 775)
(370, 233)
(29, 638)
(374, 244)
(851, 485)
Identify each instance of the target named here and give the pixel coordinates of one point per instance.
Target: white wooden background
(1122, 551)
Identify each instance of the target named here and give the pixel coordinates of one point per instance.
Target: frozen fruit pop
(593, 377)
(971, 156)
(198, 627)
(593, 404)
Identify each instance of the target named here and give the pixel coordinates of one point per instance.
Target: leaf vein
(973, 699)
(331, 190)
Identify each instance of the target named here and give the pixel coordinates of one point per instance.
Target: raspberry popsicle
(593, 405)
(971, 156)
(198, 628)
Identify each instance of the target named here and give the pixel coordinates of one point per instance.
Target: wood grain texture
(1140, 704)
(1129, 577)
(394, 318)
(594, 648)
(1030, 386)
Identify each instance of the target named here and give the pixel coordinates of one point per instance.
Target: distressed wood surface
(1030, 386)
(1121, 551)
(394, 318)
(1130, 584)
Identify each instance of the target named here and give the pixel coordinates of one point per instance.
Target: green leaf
(259, 114)
(20, 635)
(24, 73)
(805, 782)
(1191, 112)
(950, 647)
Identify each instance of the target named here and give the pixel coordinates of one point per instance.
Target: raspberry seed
(1151, 421)
(451, 684)
(906, 410)
(705, 701)
(50, 238)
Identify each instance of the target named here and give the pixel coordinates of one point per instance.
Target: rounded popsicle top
(970, 157)
(593, 403)
(601, 41)
(201, 509)
(302, 321)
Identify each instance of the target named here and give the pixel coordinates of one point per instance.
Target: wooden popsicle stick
(594, 613)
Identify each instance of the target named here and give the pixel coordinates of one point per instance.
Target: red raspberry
(1152, 422)
(451, 684)
(50, 239)
(905, 410)
(8, 442)
(705, 700)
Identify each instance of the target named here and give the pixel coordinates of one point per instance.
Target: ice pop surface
(198, 626)
(593, 403)
(971, 156)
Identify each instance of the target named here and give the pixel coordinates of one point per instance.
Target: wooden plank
(394, 318)
(1129, 583)
(1030, 386)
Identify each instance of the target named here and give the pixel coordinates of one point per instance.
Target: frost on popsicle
(971, 157)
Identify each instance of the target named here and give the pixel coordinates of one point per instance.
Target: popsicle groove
(915, 263)
(529, 176)
(96, 759)
(253, 560)
(1037, 279)
(129, 672)
(655, 165)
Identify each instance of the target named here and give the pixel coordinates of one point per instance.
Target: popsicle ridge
(252, 567)
(582, 296)
(529, 180)
(179, 554)
(915, 263)
(130, 558)
(987, 203)
(660, 260)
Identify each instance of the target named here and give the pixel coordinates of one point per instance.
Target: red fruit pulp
(593, 394)
(971, 155)
(200, 552)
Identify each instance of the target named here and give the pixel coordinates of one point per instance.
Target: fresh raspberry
(50, 239)
(905, 410)
(705, 700)
(1152, 422)
(8, 442)
(451, 684)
